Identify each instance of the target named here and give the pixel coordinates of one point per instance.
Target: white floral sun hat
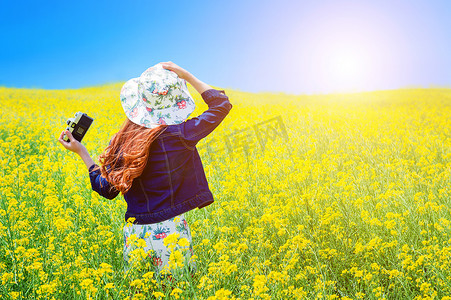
(158, 96)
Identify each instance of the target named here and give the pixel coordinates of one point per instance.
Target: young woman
(152, 160)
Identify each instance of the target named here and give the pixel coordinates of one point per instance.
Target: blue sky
(301, 47)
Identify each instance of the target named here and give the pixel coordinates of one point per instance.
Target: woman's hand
(77, 147)
(73, 145)
(182, 73)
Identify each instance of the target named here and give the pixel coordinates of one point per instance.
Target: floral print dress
(166, 245)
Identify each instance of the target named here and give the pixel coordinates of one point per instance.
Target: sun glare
(346, 66)
(349, 53)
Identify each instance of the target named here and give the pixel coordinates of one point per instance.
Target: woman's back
(173, 180)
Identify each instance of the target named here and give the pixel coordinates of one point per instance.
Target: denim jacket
(173, 181)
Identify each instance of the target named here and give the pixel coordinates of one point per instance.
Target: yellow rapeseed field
(352, 203)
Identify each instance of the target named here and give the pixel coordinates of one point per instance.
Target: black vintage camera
(78, 126)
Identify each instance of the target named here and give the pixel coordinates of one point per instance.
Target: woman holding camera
(153, 161)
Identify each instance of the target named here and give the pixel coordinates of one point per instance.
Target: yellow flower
(130, 221)
(176, 292)
(171, 240)
(368, 276)
(158, 295)
(109, 286)
(260, 285)
(141, 243)
(183, 242)
(221, 294)
(6, 278)
(176, 259)
(136, 283)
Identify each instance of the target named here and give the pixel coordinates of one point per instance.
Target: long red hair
(127, 154)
